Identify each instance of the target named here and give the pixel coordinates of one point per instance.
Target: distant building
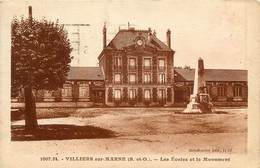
(138, 68)
(226, 87)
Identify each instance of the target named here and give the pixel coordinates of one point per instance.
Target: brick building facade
(84, 84)
(138, 69)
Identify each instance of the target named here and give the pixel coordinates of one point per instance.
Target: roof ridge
(132, 30)
(213, 69)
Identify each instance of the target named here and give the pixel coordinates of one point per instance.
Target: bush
(214, 99)
(132, 103)
(205, 107)
(117, 103)
(229, 99)
(162, 103)
(147, 103)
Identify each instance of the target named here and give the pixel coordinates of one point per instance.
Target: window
(147, 63)
(161, 94)
(147, 94)
(66, 91)
(147, 78)
(83, 91)
(132, 78)
(117, 95)
(161, 78)
(132, 63)
(222, 91)
(117, 78)
(161, 64)
(237, 91)
(118, 63)
(132, 94)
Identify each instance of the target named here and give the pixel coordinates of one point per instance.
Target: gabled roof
(125, 38)
(212, 75)
(85, 73)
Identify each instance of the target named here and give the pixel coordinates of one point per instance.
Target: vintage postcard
(129, 84)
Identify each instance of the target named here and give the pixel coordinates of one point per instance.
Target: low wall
(219, 104)
(55, 104)
(91, 104)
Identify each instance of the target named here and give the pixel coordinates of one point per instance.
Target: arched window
(222, 90)
(237, 90)
(83, 90)
(67, 90)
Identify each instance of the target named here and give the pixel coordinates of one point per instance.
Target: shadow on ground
(59, 132)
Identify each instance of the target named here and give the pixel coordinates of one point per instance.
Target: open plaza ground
(135, 130)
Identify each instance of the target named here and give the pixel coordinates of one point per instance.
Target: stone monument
(199, 100)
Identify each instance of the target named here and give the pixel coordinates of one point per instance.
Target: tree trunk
(30, 110)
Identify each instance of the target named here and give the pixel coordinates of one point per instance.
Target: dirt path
(151, 131)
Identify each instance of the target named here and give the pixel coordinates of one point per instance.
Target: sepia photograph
(129, 83)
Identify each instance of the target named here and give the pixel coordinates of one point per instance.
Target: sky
(214, 31)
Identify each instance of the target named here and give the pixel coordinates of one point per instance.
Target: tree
(40, 57)
(185, 67)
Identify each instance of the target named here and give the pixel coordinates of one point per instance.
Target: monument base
(194, 107)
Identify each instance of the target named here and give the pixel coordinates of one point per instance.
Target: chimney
(154, 33)
(149, 37)
(149, 34)
(168, 36)
(104, 36)
(30, 13)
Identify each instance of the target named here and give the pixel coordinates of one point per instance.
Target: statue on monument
(199, 100)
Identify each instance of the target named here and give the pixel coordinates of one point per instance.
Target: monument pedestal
(199, 104)
(192, 107)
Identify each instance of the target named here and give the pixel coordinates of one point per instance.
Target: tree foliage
(184, 67)
(40, 54)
